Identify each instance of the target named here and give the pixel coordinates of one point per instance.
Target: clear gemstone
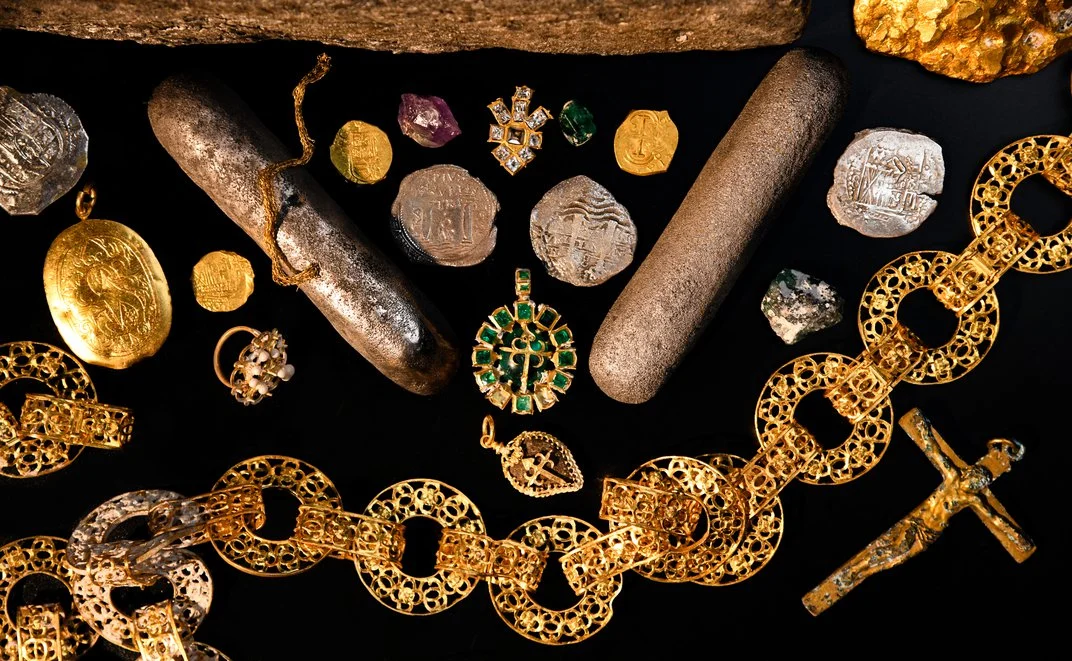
(500, 153)
(515, 136)
(495, 134)
(504, 117)
(523, 93)
(513, 164)
(526, 154)
(536, 140)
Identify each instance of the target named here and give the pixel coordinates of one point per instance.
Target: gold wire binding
(281, 266)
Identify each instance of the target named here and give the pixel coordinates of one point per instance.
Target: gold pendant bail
(487, 435)
(83, 204)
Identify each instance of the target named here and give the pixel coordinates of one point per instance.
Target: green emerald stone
(523, 274)
(566, 358)
(562, 336)
(577, 123)
(536, 345)
(482, 357)
(503, 317)
(523, 403)
(548, 317)
(524, 311)
(488, 377)
(560, 380)
(488, 335)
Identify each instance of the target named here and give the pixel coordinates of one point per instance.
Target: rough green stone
(482, 357)
(797, 304)
(577, 123)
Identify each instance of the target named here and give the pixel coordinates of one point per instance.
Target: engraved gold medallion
(107, 293)
(361, 152)
(223, 281)
(645, 142)
(524, 356)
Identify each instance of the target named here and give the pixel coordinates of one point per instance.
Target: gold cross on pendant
(962, 487)
(536, 467)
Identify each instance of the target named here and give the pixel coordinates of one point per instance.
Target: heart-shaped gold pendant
(536, 463)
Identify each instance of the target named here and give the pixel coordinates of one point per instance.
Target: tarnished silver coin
(43, 151)
(444, 215)
(884, 180)
(581, 233)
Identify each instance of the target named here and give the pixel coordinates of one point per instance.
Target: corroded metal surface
(428, 26)
(43, 150)
(695, 262)
(884, 181)
(217, 140)
(444, 215)
(581, 233)
(978, 40)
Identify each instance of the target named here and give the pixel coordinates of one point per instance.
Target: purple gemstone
(427, 119)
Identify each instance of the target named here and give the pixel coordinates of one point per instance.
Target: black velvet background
(365, 433)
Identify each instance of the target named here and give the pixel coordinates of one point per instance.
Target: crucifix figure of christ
(963, 487)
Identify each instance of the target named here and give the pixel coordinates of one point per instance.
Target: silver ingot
(43, 151)
(884, 180)
(444, 215)
(581, 233)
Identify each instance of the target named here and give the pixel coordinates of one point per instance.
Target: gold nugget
(361, 152)
(223, 281)
(645, 142)
(107, 293)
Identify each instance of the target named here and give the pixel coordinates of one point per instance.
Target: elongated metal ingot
(218, 141)
(705, 246)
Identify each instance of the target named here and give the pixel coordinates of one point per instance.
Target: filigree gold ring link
(784, 391)
(420, 595)
(253, 554)
(350, 536)
(491, 559)
(217, 515)
(1047, 155)
(187, 573)
(518, 608)
(977, 325)
(38, 629)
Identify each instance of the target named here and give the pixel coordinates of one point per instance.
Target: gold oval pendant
(107, 293)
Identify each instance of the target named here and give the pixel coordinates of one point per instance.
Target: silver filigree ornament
(43, 151)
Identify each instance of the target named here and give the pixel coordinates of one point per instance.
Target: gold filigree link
(612, 554)
(31, 637)
(726, 516)
(47, 418)
(518, 608)
(1048, 155)
(38, 453)
(868, 383)
(157, 635)
(776, 465)
(782, 394)
(762, 536)
(494, 560)
(977, 269)
(420, 595)
(250, 553)
(217, 515)
(40, 635)
(154, 559)
(350, 536)
(977, 324)
(633, 503)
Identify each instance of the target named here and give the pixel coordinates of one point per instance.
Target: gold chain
(714, 520)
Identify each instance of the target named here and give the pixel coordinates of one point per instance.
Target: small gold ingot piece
(494, 560)
(260, 368)
(963, 487)
(223, 281)
(107, 293)
(361, 152)
(536, 464)
(645, 142)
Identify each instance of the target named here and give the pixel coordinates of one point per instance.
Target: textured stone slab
(707, 243)
(427, 26)
(218, 141)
